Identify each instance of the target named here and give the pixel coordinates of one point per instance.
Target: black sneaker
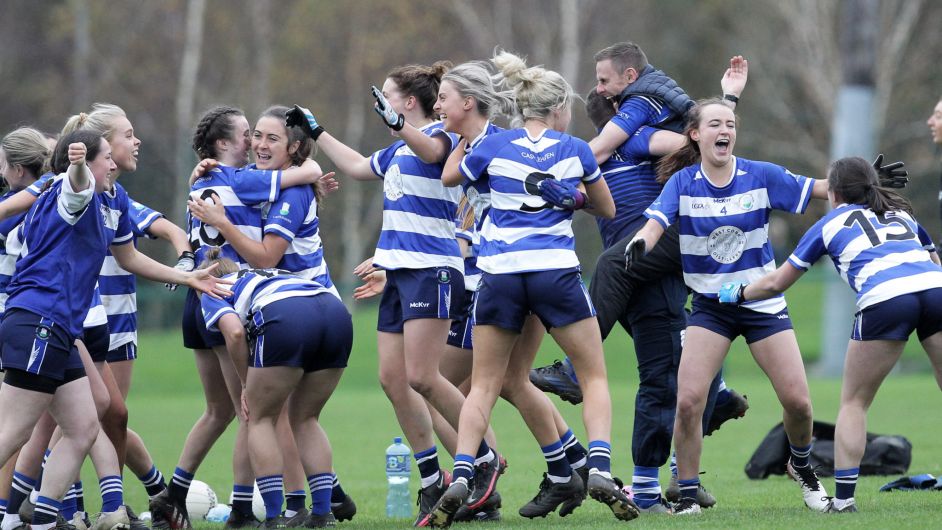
(608, 491)
(279, 521)
(569, 505)
(326, 520)
(485, 480)
(551, 495)
(296, 520)
(428, 497)
(489, 511)
(556, 379)
(168, 514)
(136, 523)
(443, 513)
(733, 409)
(238, 519)
(62, 524)
(345, 509)
(704, 498)
(687, 506)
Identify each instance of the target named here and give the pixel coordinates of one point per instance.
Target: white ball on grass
(200, 499)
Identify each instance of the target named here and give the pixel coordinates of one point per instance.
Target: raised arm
(430, 150)
(347, 160)
(734, 80)
(80, 177)
(20, 202)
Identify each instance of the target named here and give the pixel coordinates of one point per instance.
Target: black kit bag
(884, 455)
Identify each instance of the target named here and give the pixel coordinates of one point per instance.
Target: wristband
(730, 97)
(187, 254)
(317, 132)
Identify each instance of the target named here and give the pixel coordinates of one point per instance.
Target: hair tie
(82, 117)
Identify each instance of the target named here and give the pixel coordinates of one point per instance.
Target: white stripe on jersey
(529, 260)
(96, 316)
(711, 283)
(71, 204)
(417, 260)
(538, 146)
(700, 246)
(515, 170)
(756, 199)
(897, 286)
(514, 234)
(120, 303)
(886, 262)
(418, 224)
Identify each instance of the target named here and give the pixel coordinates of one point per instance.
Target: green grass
(166, 399)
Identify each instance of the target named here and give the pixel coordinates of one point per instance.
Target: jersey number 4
(858, 217)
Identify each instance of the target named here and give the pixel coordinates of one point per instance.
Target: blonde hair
(27, 147)
(474, 79)
(100, 120)
(537, 91)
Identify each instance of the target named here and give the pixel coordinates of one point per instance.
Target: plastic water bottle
(398, 498)
(219, 513)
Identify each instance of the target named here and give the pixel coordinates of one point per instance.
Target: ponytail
(226, 265)
(856, 182)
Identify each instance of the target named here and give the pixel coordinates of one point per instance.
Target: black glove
(891, 175)
(303, 118)
(186, 263)
(391, 118)
(634, 250)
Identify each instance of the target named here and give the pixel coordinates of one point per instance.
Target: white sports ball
(200, 499)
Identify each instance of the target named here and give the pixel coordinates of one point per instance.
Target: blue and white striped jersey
(65, 237)
(96, 315)
(478, 193)
(418, 211)
(631, 178)
(7, 258)
(724, 231)
(118, 287)
(294, 218)
(880, 256)
(637, 111)
(254, 289)
(242, 190)
(521, 232)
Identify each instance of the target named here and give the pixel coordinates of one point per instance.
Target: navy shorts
(896, 318)
(195, 334)
(310, 332)
(96, 340)
(42, 351)
(125, 352)
(436, 292)
(732, 321)
(558, 297)
(459, 335)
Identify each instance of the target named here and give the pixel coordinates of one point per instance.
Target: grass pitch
(166, 399)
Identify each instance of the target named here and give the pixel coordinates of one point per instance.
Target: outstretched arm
(200, 280)
(164, 229)
(346, 159)
(451, 176)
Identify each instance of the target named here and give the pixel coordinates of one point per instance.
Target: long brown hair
(306, 146)
(855, 180)
(689, 154)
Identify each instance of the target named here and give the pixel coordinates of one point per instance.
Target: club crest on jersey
(726, 244)
(392, 183)
(444, 276)
(746, 202)
(43, 332)
(110, 217)
(285, 208)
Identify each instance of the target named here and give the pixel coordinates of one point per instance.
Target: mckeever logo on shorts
(418, 305)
